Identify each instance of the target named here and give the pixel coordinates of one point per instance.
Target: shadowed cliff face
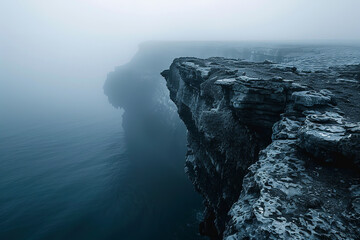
(156, 135)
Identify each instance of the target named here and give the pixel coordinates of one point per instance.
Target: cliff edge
(274, 151)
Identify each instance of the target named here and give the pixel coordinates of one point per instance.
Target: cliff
(274, 153)
(139, 90)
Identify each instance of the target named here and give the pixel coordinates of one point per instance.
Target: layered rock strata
(270, 152)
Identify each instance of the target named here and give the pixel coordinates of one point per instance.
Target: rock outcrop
(269, 148)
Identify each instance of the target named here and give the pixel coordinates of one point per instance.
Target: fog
(74, 167)
(52, 49)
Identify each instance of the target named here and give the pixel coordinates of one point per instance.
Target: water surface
(70, 175)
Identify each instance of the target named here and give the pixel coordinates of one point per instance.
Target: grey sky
(114, 27)
(74, 43)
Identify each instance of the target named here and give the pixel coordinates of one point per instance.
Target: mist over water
(66, 172)
(74, 167)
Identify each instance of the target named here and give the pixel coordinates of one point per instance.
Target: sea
(66, 173)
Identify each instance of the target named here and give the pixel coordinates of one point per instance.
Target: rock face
(268, 149)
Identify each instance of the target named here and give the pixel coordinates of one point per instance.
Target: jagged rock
(328, 136)
(311, 98)
(286, 197)
(265, 151)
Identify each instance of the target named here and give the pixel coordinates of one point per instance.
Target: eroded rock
(272, 157)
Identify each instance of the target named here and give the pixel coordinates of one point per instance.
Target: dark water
(72, 177)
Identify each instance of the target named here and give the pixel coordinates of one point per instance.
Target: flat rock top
(342, 81)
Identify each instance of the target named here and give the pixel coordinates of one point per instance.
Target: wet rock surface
(273, 150)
